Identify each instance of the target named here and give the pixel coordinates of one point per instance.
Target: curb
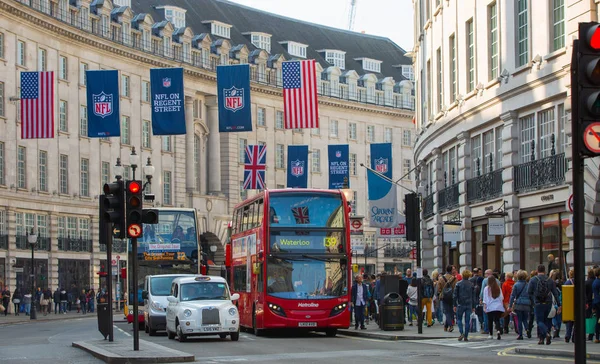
(110, 357)
(551, 352)
(42, 319)
(378, 336)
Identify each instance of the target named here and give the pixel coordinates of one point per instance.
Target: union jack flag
(301, 214)
(254, 167)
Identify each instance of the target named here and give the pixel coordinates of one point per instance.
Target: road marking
(118, 328)
(366, 339)
(248, 337)
(509, 352)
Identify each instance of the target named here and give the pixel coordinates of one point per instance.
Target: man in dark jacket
(56, 299)
(589, 297)
(542, 289)
(464, 300)
(360, 297)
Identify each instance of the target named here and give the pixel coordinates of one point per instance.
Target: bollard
(568, 303)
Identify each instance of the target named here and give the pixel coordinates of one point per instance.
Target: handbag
(16, 300)
(2, 309)
(552, 308)
(590, 325)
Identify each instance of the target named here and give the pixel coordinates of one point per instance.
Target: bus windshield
(173, 238)
(306, 210)
(306, 278)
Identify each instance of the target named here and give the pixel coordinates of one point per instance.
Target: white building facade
(493, 131)
(52, 185)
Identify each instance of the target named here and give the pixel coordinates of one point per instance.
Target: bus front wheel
(255, 329)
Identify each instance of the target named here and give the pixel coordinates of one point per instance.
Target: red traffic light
(134, 187)
(124, 273)
(593, 37)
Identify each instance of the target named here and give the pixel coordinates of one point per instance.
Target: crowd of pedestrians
(60, 301)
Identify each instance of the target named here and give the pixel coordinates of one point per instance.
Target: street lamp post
(32, 240)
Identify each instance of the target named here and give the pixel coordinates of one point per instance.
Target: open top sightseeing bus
(290, 260)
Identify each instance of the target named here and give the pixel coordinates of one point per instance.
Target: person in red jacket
(507, 288)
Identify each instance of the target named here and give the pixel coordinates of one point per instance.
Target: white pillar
(214, 146)
(463, 155)
(438, 184)
(510, 158)
(190, 173)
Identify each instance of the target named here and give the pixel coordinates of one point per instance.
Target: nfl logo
(234, 98)
(338, 153)
(381, 165)
(166, 82)
(102, 104)
(297, 168)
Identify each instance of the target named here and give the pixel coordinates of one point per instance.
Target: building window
(352, 165)
(146, 134)
(125, 129)
(487, 165)
(83, 121)
(371, 133)
(243, 143)
(145, 91)
(166, 143)
(428, 108)
(279, 156)
(558, 27)
(221, 29)
(499, 154)
(105, 173)
(197, 163)
(167, 188)
(333, 128)
(406, 167)
(563, 141)
(262, 41)
(243, 195)
(408, 73)
(453, 81)
(63, 71)
(1, 45)
(371, 65)
(84, 17)
(543, 235)
(522, 33)
(476, 155)
(260, 117)
(175, 16)
(84, 178)
(42, 59)
(352, 131)
(63, 174)
(126, 172)
(2, 165)
(336, 58)
(43, 171)
(387, 135)
(83, 67)
(21, 53)
(125, 85)
(316, 160)
(527, 125)
(62, 116)
(494, 63)
(547, 123)
(440, 80)
(406, 138)
(316, 131)
(470, 56)
(2, 99)
(296, 49)
(197, 109)
(279, 119)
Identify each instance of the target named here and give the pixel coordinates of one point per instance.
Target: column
(97, 255)
(510, 158)
(11, 275)
(53, 279)
(190, 173)
(463, 156)
(203, 163)
(214, 146)
(436, 185)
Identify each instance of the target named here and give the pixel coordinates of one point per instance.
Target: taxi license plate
(210, 329)
(307, 324)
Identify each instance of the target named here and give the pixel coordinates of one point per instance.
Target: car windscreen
(161, 286)
(197, 291)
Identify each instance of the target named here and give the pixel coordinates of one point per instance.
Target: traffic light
(133, 208)
(150, 216)
(123, 273)
(588, 80)
(112, 207)
(411, 212)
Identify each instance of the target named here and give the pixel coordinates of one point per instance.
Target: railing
(428, 206)
(448, 197)
(485, 187)
(191, 55)
(75, 245)
(397, 252)
(43, 244)
(4, 241)
(118, 246)
(371, 253)
(540, 173)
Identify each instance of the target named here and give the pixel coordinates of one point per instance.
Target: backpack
(447, 292)
(427, 287)
(542, 291)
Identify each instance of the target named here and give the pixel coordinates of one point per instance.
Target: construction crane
(352, 14)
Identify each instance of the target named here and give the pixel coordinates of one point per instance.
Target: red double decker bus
(290, 260)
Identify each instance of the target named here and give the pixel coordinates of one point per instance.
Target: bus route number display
(164, 256)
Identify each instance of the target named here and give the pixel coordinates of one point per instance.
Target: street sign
(570, 203)
(134, 230)
(591, 138)
(356, 226)
(118, 257)
(113, 262)
(116, 231)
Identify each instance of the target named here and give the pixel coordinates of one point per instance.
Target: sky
(388, 18)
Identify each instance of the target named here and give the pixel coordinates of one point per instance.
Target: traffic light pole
(134, 290)
(109, 240)
(578, 212)
(419, 279)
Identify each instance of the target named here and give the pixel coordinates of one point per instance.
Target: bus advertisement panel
(292, 268)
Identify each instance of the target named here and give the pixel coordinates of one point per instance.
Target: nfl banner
(103, 103)
(383, 198)
(297, 176)
(233, 88)
(339, 166)
(168, 101)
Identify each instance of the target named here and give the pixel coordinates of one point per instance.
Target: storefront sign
(452, 233)
(396, 232)
(496, 226)
(489, 208)
(546, 198)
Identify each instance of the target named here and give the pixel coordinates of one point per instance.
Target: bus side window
(234, 223)
(260, 212)
(259, 279)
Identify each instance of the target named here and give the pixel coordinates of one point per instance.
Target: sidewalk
(560, 348)
(409, 333)
(121, 351)
(11, 319)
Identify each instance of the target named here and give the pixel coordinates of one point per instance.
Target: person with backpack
(427, 296)
(543, 290)
(520, 303)
(446, 292)
(464, 300)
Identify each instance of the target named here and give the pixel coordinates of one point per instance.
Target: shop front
(486, 249)
(74, 274)
(22, 269)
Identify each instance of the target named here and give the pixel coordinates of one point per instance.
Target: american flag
(37, 105)
(300, 94)
(254, 167)
(301, 214)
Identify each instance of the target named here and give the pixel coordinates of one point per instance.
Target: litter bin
(104, 313)
(391, 312)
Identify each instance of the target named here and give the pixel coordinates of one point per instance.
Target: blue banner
(297, 175)
(103, 103)
(339, 166)
(168, 101)
(233, 88)
(383, 197)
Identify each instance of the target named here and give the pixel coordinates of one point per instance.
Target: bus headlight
(187, 313)
(233, 311)
(276, 309)
(337, 309)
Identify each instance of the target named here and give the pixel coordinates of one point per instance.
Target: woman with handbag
(43, 304)
(520, 303)
(16, 300)
(493, 305)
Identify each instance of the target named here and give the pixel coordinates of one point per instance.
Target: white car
(202, 305)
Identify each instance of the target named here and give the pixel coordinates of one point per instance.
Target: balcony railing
(485, 187)
(397, 252)
(370, 253)
(549, 171)
(43, 244)
(4, 241)
(118, 246)
(75, 245)
(428, 206)
(448, 197)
